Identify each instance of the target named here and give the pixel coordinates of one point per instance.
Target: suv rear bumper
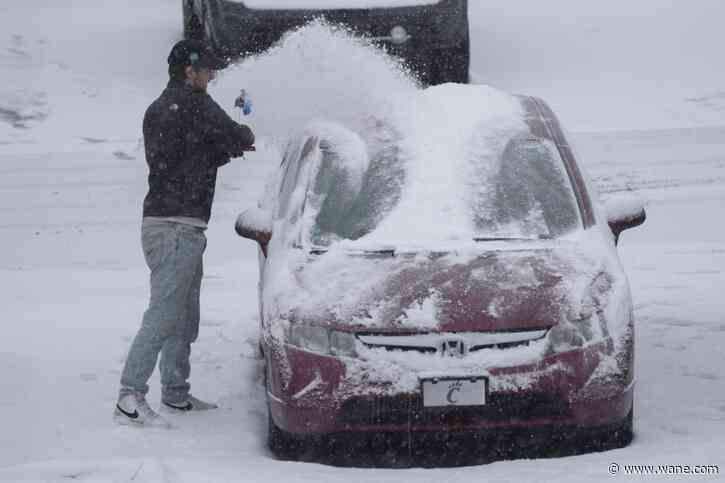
(438, 33)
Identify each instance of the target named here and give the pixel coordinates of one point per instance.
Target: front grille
(395, 410)
(458, 344)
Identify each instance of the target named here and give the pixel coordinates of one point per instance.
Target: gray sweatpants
(173, 252)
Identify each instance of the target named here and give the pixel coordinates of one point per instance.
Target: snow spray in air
(317, 72)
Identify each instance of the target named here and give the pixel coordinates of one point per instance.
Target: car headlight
(577, 330)
(322, 341)
(584, 320)
(564, 336)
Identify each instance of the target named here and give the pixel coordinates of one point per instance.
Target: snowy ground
(74, 283)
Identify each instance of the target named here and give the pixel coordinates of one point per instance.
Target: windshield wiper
(511, 238)
(385, 251)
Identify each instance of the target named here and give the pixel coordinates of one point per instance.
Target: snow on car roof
(332, 4)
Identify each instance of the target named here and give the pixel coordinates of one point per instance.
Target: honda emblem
(453, 348)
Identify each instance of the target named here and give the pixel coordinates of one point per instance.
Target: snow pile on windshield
(447, 130)
(448, 164)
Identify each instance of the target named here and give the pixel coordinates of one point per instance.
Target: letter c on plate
(449, 397)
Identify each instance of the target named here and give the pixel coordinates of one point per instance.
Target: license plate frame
(454, 391)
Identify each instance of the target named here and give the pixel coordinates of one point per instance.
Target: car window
(349, 208)
(291, 167)
(530, 195)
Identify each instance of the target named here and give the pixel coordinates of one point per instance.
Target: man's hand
(239, 153)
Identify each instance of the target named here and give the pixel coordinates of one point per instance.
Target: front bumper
(313, 394)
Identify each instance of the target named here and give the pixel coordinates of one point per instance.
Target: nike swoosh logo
(133, 415)
(186, 407)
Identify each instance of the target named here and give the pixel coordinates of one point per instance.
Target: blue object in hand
(247, 106)
(244, 102)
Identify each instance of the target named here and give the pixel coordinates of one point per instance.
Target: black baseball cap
(195, 53)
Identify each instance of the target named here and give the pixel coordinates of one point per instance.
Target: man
(187, 136)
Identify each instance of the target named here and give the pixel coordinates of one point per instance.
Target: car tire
(623, 433)
(280, 443)
(283, 445)
(613, 436)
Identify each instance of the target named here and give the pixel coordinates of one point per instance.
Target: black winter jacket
(187, 136)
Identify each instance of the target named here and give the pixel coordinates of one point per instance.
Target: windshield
(529, 195)
(347, 206)
(482, 179)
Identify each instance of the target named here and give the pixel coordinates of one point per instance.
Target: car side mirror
(624, 211)
(255, 224)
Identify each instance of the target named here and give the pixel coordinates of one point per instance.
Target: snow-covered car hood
(484, 290)
(331, 4)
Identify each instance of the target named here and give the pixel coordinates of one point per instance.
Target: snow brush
(244, 103)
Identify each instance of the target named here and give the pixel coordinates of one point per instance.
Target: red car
(443, 268)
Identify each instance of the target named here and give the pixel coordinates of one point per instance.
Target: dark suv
(431, 36)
